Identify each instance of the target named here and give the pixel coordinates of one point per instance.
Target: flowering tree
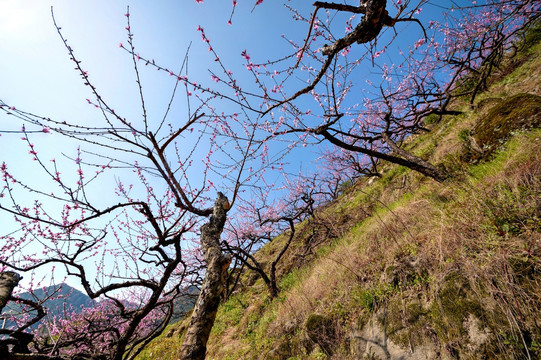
(143, 245)
(453, 57)
(137, 247)
(263, 219)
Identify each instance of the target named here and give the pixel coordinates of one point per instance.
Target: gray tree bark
(8, 281)
(194, 346)
(416, 163)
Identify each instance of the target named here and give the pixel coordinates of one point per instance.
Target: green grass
(420, 259)
(509, 149)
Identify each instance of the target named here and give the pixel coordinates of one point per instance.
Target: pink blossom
(378, 53)
(419, 42)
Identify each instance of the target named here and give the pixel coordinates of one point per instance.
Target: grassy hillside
(402, 267)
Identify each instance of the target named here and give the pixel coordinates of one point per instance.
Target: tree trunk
(417, 164)
(403, 157)
(8, 280)
(31, 357)
(194, 346)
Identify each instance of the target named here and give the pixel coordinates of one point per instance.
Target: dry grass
(481, 226)
(405, 238)
(442, 229)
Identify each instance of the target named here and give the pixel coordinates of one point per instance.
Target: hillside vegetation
(403, 267)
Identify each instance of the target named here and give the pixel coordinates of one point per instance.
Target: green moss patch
(519, 112)
(321, 331)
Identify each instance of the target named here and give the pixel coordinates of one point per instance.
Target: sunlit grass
(410, 246)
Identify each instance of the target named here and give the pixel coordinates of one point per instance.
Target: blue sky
(36, 73)
(37, 76)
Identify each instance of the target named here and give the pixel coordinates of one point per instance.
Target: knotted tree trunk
(8, 281)
(194, 346)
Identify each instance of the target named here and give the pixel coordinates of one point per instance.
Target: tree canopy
(138, 211)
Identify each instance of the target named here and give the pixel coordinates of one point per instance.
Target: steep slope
(402, 267)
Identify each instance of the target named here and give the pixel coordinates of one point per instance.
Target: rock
(478, 336)
(373, 342)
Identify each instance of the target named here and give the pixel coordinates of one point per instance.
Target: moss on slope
(413, 269)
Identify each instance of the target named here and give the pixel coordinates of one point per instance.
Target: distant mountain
(57, 299)
(60, 298)
(185, 304)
